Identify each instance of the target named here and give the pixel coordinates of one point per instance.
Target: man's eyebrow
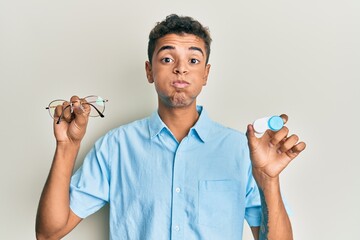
(169, 47)
(197, 49)
(166, 47)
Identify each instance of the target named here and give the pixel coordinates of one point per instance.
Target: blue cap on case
(275, 123)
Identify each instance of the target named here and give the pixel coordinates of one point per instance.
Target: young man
(176, 174)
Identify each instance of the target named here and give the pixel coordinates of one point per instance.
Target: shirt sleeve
(252, 201)
(89, 187)
(253, 204)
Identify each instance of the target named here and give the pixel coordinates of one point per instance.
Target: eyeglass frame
(72, 110)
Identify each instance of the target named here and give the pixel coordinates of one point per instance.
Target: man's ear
(149, 72)
(207, 71)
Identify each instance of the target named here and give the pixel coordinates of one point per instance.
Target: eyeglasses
(97, 106)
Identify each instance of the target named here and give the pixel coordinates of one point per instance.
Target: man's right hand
(54, 217)
(73, 122)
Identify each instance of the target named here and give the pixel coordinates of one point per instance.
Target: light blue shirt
(158, 188)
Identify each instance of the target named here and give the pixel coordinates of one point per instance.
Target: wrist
(68, 145)
(264, 181)
(66, 150)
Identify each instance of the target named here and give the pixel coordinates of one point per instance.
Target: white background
(268, 57)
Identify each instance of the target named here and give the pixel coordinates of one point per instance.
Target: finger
(288, 143)
(58, 111)
(277, 137)
(284, 117)
(80, 111)
(66, 112)
(296, 150)
(271, 133)
(84, 108)
(250, 134)
(75, 101)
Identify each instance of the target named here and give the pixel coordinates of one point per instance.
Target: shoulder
(230, 143)
(219, 130)
(137, 128)
(215, 131)
(139, 124)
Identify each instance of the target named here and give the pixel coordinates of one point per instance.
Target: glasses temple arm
(98, 111)
(62, 114)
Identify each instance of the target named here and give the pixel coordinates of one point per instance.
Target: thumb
(250, 134)
(284, 117)
(81, 112)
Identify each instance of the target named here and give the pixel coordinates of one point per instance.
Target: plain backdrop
(268, 57)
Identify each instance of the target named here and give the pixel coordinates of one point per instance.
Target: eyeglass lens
(98, 105)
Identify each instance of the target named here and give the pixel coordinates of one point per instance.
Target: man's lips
(180, 84)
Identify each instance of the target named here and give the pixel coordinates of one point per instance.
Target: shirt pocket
(219, 202)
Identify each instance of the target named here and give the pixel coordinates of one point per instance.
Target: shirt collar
(201, 127)
(155, 124)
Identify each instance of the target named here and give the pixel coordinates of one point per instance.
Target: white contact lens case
(273, 123)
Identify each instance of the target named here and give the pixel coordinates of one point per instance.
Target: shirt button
(177, 189)
(177, 228)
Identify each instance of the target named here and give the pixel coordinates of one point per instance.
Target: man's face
(178, 69)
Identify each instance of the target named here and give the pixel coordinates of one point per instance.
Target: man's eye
(166, 60)
(194, 61)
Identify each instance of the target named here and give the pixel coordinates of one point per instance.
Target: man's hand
(273, 151)
(54, 217)
(74, 118)
(270, 154)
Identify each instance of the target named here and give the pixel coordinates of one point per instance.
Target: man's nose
(181, 68)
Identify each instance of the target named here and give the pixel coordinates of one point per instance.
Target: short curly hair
(178, 25)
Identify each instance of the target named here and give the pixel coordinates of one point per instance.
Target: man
(175, 174)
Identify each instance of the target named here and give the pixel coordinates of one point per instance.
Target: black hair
(178, 25)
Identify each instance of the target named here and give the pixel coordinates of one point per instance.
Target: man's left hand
(273, 151)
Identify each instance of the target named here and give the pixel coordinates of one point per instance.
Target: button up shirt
(158, 188)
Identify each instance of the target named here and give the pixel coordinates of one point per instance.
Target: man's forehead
(180, 40)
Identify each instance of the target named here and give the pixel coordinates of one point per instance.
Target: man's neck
(179, 119)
